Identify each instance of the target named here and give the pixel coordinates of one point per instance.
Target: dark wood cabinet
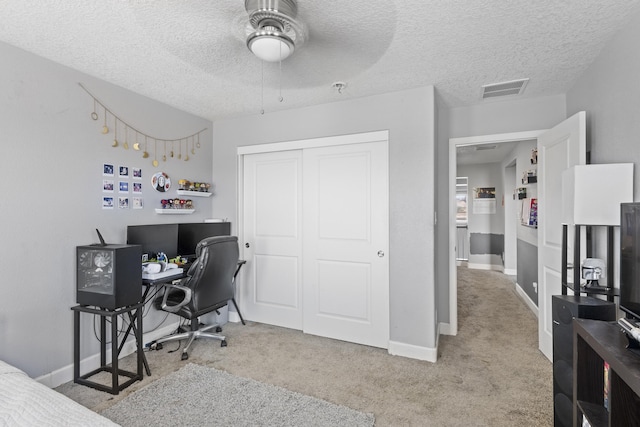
(566, 308)
(596, 342)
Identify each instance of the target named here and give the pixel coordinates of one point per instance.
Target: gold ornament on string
(105, 128)
(164, 156)
(155, 154)
(136, 145)
(115, 132)
(145, 154)
(94, 115)
(126, 138)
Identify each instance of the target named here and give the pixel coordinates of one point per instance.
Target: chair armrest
(176, 307)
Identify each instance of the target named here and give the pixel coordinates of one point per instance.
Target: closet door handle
(247, 245)
(381, 254)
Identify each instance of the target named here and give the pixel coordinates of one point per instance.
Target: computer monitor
(189, 234)
(154, 238)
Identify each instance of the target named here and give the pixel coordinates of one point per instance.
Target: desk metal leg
(138, 335)
(141, 357)
(233, 300)
(76, 345)
(114, 352)
(240, 264)
(103, 341)
(136, 319)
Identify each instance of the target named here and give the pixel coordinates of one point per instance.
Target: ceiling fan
(327, 41)
(273, 31)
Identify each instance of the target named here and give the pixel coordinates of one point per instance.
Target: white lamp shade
(591, 194)
(270, 48)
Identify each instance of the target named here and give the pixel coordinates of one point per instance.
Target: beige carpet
(490, 374)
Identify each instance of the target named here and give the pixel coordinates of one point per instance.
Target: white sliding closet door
(273, 229)
(316, 236)
(346, 228)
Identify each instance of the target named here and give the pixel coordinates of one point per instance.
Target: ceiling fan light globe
(269, 46)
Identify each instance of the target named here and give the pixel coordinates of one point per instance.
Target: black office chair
(208, 287)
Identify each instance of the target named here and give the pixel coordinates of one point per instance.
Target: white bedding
(26, 402)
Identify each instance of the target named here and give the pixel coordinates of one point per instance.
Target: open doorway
(454, 145)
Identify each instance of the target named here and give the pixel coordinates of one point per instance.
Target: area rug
(199, 396)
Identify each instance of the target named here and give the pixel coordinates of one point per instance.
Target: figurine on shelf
(188, 204)
(187, 185)
(164, 203)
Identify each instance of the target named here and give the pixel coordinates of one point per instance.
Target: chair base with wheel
(191, 335)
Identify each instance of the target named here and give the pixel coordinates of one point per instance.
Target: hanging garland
(95, 115)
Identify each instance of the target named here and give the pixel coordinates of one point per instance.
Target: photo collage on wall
(121, 187)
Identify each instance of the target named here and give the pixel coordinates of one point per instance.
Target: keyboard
(163, 274)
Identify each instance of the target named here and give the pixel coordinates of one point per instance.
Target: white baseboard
(413, 351)
(532, 305)
(493, 267)
(510, 271)
(445, 329)
(234, 317)
(88, 364)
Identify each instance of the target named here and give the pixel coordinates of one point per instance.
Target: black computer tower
(108, 276)
(565, 309)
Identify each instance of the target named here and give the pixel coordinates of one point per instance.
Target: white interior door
(558, 149)
(272, 200)
(346, 226)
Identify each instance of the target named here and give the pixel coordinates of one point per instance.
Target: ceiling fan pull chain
(262, 88)
(280, 98)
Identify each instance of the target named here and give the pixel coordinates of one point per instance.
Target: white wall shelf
(193, 193)
(170, 211)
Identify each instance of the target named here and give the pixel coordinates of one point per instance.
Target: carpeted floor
(237, 402)
(490, 374)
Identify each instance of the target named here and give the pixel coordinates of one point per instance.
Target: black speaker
(565, 309)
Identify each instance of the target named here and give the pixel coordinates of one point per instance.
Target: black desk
(135, 324)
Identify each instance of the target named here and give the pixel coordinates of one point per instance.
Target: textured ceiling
(191, 53)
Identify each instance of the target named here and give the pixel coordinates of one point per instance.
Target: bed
(26, 402)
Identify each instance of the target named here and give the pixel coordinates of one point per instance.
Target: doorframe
(297, 144)
(454, 143)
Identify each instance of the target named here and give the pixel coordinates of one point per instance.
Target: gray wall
(486, 231)
(528, 268)
(503, 116)
(610, 94)
(51, 186)
(527, 237)
(443, 251)
(409, 117)
(523, 164)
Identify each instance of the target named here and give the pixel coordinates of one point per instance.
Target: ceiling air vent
(513, 87)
